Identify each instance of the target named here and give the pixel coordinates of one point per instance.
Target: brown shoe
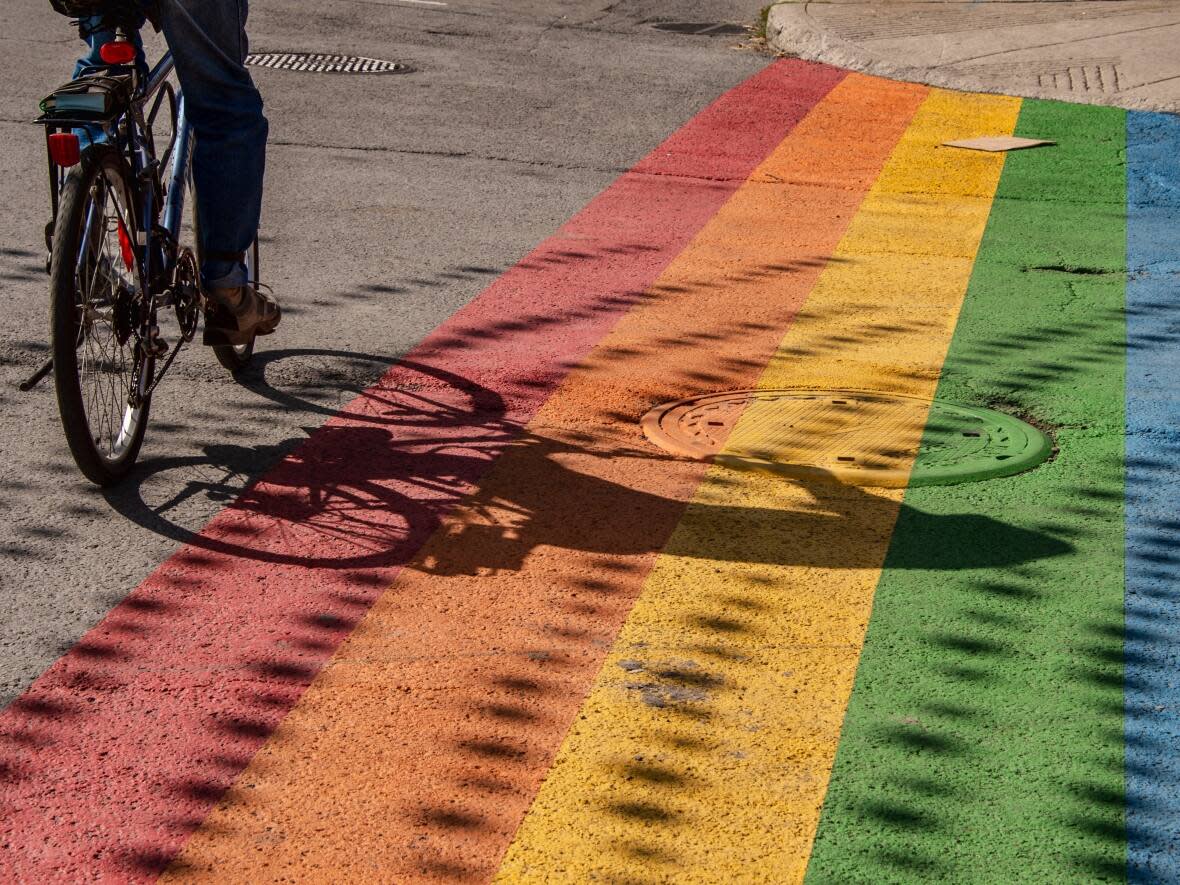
(238, 314)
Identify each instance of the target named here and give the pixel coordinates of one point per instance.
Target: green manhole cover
(858, 437)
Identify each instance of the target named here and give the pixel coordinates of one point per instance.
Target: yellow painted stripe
(704, 749)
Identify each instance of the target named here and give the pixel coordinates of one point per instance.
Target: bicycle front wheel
(234, 357)
(96, 306)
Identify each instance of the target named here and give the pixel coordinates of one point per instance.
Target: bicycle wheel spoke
(106, 290)
(95, 237)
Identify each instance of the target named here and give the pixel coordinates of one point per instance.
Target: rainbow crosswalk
(478, 629)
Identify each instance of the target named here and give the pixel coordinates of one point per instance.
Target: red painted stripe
(117, 752)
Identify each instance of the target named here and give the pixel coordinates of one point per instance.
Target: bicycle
(116, 263)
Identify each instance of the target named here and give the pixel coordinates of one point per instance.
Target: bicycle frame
(131, 133)
(181, 150)
(136, 143)
(145, 164)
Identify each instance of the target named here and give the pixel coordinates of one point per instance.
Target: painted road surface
(476, 628)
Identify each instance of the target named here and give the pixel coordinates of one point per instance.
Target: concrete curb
(792, 31)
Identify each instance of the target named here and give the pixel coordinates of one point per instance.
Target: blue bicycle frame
(181, 151)
(130, 132)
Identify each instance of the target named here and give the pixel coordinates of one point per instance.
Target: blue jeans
(208, 42)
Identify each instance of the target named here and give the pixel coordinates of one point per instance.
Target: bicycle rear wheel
(96, 305)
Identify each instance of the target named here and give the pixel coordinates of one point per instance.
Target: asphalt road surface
(391, 201)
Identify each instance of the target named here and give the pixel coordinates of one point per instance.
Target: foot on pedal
(238, 314)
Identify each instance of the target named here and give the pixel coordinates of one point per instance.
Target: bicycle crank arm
(34, 379)
(164, 369)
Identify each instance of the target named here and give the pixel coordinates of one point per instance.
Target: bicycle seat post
(123, 34)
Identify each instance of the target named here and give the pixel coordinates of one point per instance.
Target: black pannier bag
(96, 97)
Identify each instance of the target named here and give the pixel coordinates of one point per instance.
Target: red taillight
(118, 53)
(64, 149)
(125, 247)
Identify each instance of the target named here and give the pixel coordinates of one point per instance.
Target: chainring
(186, 293)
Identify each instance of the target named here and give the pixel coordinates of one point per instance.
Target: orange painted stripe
(417, 751)
(703, 751)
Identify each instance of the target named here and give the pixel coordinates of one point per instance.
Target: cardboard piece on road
(997, 143)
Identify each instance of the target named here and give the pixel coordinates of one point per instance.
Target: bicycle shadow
(377, 480)
(436, 455)
(422, 447)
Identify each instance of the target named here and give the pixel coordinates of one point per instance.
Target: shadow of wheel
(373, 480)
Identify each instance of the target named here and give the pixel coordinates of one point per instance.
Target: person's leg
(208, 42)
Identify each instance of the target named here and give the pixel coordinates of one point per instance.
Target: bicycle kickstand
(32, 381)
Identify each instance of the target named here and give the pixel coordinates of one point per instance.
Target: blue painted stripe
(1153, 499)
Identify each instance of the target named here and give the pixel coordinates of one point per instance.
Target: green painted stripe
(983, 740)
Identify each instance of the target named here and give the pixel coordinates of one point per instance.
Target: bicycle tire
(69, 329)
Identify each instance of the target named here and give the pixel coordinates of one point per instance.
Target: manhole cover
(318, 63)
(861, 438)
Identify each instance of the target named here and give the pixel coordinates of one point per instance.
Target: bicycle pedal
(154, 345)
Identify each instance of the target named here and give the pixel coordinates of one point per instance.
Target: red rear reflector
(125, 247)
(118, 53)
(64, 149)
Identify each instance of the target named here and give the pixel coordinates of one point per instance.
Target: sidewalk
(1111, 52)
